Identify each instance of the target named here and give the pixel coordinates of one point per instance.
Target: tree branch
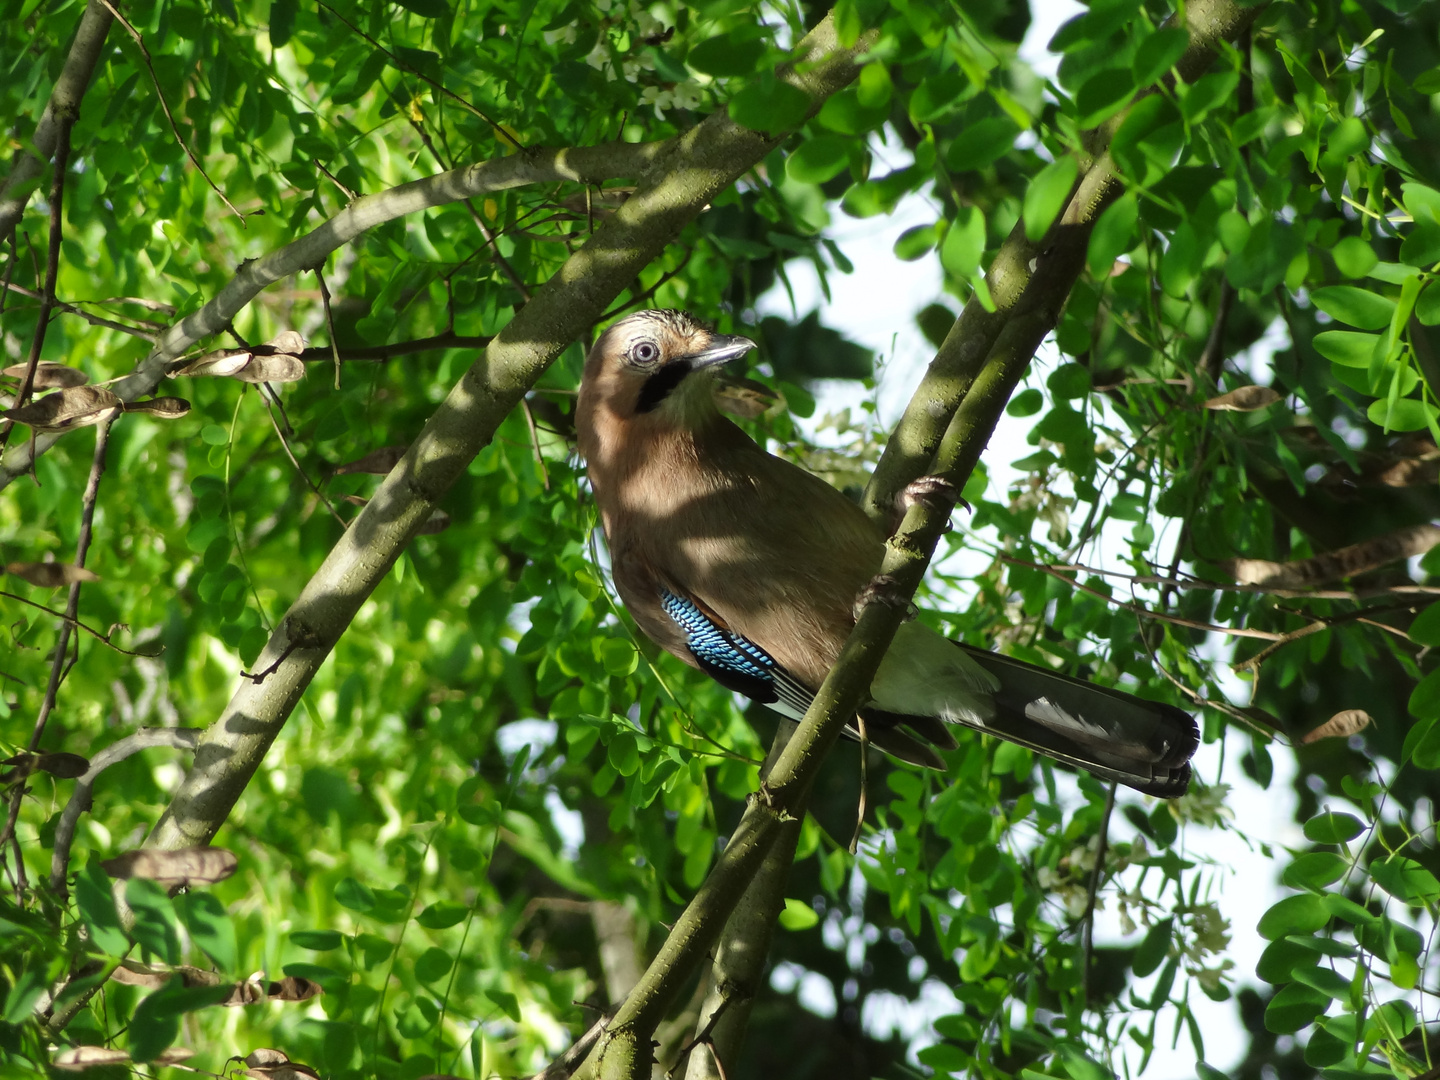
(80, 798)
(582, 165)
(954, 426)
(734, 978)
(684, 177)
(62, 109)
(1017, 267)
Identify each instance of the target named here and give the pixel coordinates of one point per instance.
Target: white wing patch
(1044, 711)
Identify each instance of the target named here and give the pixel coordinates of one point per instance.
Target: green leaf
(1153, 948)
(509, 1004)
(1158, 53)
(96, 905)
(1207, 93)
(442, 914)
(981, 143)
(1342, 907)
(1333, 828)
(964, 243)
(1047, 195)
(818, 159)
(844, 113)
(428, 9)
(915, 242)
(1355, 307)
(1314, 871)
(351, 894)
(874, 87)
(317, 940)
(769, 105)
(1026, 403)
(155, 1023)
(155, 926)
(1354, 257)
(1295, 1007)
(282, 21)
(1324, 979)
(619, 656)
(1280, 957)
(1405, 879)
(1113, 235)
(1425, 630)
(1069, 381)
(1104, 94)
(209, 927)
(1302, 914)
(1348, 348)
(798, 915)
(434, 964)
(727, 56)
(317, 973)
(1407, 414)
(1424, 751)
(1425, 698)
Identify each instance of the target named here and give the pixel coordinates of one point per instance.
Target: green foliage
(493, 750)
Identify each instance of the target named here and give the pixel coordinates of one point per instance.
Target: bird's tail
(928, 683)
(1145, 745)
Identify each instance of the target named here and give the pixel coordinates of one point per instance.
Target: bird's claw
(883, 589)
(930, 491)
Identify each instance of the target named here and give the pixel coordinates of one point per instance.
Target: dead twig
(329, 324)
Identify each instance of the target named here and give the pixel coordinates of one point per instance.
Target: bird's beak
(723, 348)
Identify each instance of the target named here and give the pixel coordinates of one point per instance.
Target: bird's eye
(647, 352)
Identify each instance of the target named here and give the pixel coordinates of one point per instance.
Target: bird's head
(654, 363)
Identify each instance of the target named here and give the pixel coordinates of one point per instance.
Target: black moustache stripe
(661, 385)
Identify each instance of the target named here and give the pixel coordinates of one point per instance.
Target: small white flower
(563, 35)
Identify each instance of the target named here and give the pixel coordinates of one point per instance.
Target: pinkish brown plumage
(746, 566)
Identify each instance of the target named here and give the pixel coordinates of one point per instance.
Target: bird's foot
(931, 491)
(883, 589)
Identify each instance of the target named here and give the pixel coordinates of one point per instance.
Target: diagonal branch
(1017, 267)
(62, 108)
(684, 177)
(946, 426)
(583, 165)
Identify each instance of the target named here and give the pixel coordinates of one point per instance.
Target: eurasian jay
(748, 568)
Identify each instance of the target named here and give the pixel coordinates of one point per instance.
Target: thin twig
(72, 606)
(565, 1065)
(303, 474)
(400, 348)
(535, 443)
(104, 639)
(329, 321)
(1087, 935)
(1189, 582)
(164, 105)
(59, 667)
(80, 798)
(703, 1036)
(1147, 613)
(70, 309)
(864, 782)
(52, 274)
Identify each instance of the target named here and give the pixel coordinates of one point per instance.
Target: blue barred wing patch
(734, 661)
